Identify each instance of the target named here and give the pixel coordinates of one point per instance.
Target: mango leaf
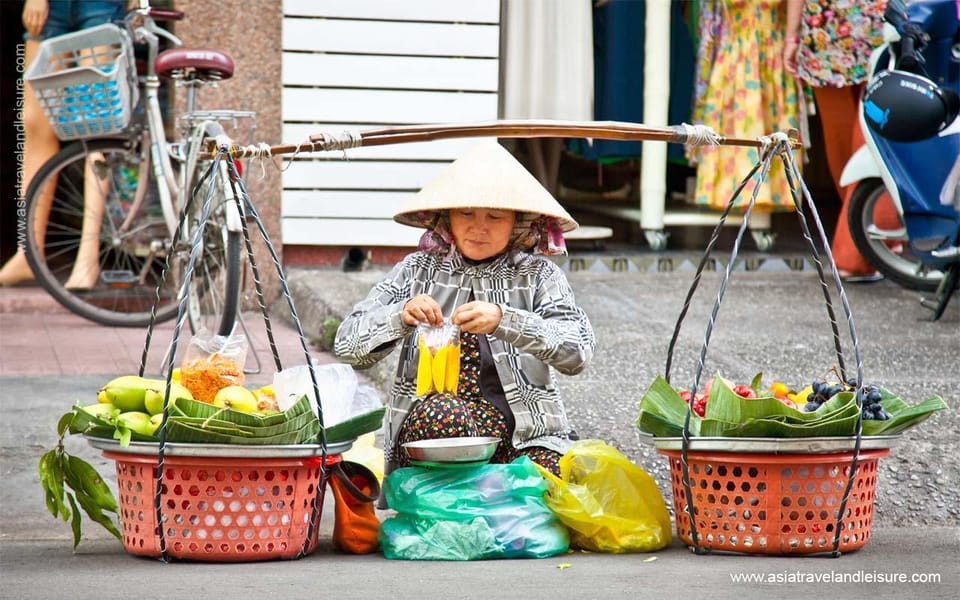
(755, 383)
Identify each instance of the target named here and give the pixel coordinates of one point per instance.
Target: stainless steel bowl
(462, 449)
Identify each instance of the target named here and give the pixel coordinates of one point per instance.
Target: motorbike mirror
(895, 13)
(905, 107)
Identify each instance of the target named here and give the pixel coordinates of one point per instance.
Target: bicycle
(123, 163)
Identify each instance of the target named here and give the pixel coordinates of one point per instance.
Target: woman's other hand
(790, 47)
(422, 309)
(477, 317)
(35, 14)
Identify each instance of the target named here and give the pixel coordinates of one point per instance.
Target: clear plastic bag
(438, 369)
(609, 503)
(341, 395)
(213, 362)
(492, 511)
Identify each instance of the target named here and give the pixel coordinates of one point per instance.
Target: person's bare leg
(40, 144)
(86, 267)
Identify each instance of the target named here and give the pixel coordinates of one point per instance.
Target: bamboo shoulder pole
(607, 130)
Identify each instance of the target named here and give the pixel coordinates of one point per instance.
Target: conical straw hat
(486, 176)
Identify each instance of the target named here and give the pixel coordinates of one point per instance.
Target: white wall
(363, 64)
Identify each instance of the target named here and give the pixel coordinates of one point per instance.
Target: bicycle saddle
(194, 64)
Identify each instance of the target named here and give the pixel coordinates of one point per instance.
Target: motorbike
(911, 156)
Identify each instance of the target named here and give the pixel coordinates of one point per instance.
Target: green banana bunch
(140, 394)
(59, 471)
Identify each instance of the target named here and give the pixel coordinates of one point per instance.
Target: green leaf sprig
(70, 483)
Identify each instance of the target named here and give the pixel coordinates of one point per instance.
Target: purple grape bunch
(822, 391)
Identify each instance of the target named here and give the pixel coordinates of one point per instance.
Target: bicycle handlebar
(147, 28)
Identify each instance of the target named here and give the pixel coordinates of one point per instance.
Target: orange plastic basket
(219, 509)
(774, 503)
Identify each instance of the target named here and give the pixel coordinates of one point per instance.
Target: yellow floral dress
(743, 91)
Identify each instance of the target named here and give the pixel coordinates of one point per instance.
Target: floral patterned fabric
(468, 414)
(836, 40)
(742, 91)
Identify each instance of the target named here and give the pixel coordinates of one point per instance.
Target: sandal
(848, 277)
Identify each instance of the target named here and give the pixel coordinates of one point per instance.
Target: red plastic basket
(774, 503)
(219, 509)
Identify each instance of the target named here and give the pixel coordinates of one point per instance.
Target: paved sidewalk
(55, 342)
(771, 322)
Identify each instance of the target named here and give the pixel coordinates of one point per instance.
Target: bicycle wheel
(213, 299)
(887, 250)
(124, 257)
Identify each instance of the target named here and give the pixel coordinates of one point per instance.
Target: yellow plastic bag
(366, 452)
(608, 503)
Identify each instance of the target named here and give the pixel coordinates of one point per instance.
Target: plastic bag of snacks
(438, 369)
(213, 362)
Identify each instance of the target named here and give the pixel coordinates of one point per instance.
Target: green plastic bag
(490, 511)
(609, 503)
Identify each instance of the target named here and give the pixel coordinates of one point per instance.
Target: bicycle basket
(86, 81)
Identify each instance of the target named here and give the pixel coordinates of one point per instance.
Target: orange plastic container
(219, 509)
(774, 503)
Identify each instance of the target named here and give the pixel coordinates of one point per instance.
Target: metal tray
(811, 445)
(219, 450)
(447, 450)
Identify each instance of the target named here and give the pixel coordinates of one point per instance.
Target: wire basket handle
(246, 206)
(777, 146)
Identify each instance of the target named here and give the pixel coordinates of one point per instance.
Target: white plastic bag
(340, 394)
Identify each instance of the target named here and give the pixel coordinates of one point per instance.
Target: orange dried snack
(204, 377)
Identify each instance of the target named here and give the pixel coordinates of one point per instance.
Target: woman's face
(481, 233)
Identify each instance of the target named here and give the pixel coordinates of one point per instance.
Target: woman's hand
(790, 47)
(35, 14)
(477, 317)
(422, 309)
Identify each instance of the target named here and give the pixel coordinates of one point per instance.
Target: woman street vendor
(481, 264)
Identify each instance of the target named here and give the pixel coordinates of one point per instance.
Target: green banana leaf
(194, 408)
(662, 412)
(356, 426)
(658, 426)
(903, 418)
(214, 424)
(181, 432)
(770, 428)
(664, 401)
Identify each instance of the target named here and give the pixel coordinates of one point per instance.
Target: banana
(129, 393)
